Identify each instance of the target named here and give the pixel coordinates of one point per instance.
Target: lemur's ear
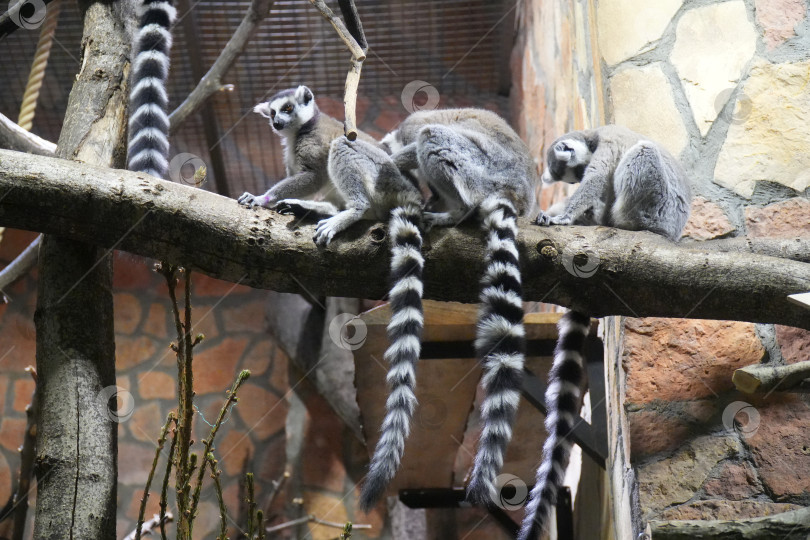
(263, 109)
(303, 95)
(563, 151)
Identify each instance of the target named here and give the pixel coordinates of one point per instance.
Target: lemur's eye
(287, 109)
(272, 113)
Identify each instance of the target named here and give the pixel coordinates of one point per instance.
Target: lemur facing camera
(479, 167)
(627, 182)
(364, 181)
(306, 135)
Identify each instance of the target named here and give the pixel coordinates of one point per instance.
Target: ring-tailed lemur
(306, 135)
(478, 166)
(627, 182)
(148, 122)
(364, 181)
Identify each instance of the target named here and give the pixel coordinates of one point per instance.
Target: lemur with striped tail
(627, 182)
(478, 167)
(148, 122)
(361, 181)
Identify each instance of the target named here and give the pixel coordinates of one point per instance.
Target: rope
(32, 88)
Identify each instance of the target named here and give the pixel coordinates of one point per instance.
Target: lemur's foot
(326, 230)
(438, 219)
(545, 220)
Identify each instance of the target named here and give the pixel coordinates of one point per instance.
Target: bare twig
(164, 490)
(160, 442)
(20, 266)
(27, 454)
(278, 485)
(149, 526)
(186, 396)
(223, 511)
(212, 81)
(358, 56)
(260, 524)
(208, 443)
(312, 519)
(763, 378)
(251, 502)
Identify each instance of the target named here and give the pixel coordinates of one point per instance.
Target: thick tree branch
(77, 444)
(764, 378)
(795, 249)
(13, 137)
(635, 274)
(212, 81)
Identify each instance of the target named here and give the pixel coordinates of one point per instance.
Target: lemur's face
(566, 161)
(288, 110)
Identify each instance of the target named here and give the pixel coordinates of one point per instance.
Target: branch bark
(77, 442)
(636, 273)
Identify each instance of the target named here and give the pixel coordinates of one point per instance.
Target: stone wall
(724, 86)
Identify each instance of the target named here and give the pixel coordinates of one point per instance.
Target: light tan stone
(627, 27)
(676, 479)
(642, 100)
(771, 141)
(713, 44)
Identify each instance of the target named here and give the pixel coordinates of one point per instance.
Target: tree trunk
(77, 432)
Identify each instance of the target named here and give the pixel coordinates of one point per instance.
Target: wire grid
(456, 46)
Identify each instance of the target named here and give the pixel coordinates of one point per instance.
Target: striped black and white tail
(563, 403)
(148, 122)
(500, 343)
(404, 335)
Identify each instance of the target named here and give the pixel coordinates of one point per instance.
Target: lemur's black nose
(278, 126)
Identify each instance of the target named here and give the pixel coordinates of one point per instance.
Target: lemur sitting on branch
(627, 182)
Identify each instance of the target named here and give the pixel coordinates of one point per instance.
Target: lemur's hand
(252, 201)
(291, 206)
(544, 220)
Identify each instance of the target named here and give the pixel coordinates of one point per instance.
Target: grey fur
(371, 186)
(478, 166)
(488, 155)
(307, 135)
(627, 182)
